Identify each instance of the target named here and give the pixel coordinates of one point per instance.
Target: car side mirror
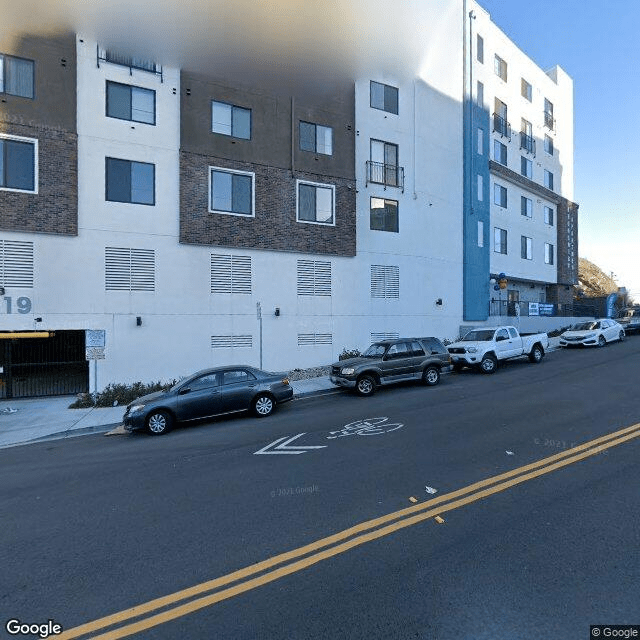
(184, 390)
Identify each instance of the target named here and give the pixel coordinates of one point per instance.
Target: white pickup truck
(484, 348)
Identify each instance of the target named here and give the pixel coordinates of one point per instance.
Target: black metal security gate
(52, 366)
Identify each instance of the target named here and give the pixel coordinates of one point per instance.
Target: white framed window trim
(318, 185)
(236, 172)
(34, 141)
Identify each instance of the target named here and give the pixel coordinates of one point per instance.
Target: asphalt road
(96, 525)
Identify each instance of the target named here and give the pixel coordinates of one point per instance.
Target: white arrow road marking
(281, 446)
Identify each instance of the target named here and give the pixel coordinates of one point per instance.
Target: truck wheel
(431, 376)
(366, 385)
(537, 353)
(489, 363)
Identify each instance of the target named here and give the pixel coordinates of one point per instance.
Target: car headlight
(472, 349)
(347, 371)
(135, 408)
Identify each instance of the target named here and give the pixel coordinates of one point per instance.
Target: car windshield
(584, 326)
(375, 351)
(479, 336)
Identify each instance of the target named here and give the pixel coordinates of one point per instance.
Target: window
(499, 152)
(130, 269)
(316, 138)
(525, 89)
(384, 163)
(548, 144)
(526, 137)
(525, 127)
(131, 103)
(399, 350)
(500, 195)
(499, 240)
(548, 253)
(500, 67)
(526, 248)
(230, 120)
(548, 179)
(384, 215)
(315, 203)
(526, 167)
(230, 274)
(231, 192)
(480, 233)
(131, 182)
(549, 122)
(479, 48)
(480, 188)
(480, 94)
(500, 123)
(18, 164)
(384, 97)
(548, 216)
(16, 76)
(526, 207)
(205, 382)
(480, 141)
(237, 375)
(314, 278)
(385, 281)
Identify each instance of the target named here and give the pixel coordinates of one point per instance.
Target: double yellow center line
(210, 592)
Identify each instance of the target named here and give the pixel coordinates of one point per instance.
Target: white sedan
(594, 333)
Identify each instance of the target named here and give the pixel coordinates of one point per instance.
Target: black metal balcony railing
(105, 55)
(527, 143)
(501, 126)
(390, 175)
(549, 120)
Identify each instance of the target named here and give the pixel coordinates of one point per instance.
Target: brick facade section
(274, 227)
(54, 209)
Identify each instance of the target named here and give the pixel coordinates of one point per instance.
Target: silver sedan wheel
(158, 423)
(264, 405)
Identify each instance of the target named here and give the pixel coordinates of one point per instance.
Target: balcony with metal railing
(390, 175)
(527, 143)
(549, 120)
(113, 57)
(501, 126)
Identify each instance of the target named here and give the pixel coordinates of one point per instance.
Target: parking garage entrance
(44, 363)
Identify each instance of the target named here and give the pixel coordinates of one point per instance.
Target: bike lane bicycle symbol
(366, 427)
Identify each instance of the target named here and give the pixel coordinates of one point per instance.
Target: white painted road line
(281, 446)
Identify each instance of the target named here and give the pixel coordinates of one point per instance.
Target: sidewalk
(32, 419)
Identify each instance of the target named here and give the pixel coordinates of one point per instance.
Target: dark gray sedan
(209, 393)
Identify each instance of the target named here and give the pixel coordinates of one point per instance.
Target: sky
(596, 42)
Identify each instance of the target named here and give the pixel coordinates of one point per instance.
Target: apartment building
(187, 219)
(520, 218)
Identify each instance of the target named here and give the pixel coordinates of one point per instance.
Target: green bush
(349, 353)
(116, 394)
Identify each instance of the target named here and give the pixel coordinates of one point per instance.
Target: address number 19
(22, 303)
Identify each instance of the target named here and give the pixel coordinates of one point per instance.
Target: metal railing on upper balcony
(501, 126)
(390, 175)
(105, 55)
(527, 143)
(549, 120)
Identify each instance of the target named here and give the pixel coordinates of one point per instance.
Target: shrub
(349, 353)
(116, 394)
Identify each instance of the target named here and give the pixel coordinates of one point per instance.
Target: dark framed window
(548, 216)
(18, 158)
(499, 240)
(383, 97)
(316, 138)
(130, 182)
(127, 102)
(500, 67)
(230, 120)
(480, 94)
(479, 48)
(526, 90)
(500, 195)
(548, 144)
(17, 76)
(237, 375)
(526, 167)
(526, 248)
(231, 192)
(526, 207)
(500, 152)
(384, 215)
(315, 203)
(548, 253)
(548, 179)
